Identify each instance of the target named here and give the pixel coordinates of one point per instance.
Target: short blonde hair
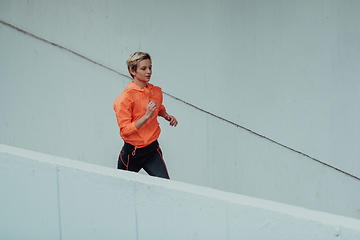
(134, 59)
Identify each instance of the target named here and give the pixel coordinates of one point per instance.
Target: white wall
(56, 102)
(47, 197)
(283, 69)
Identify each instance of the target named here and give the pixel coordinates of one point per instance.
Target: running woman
(137, 109)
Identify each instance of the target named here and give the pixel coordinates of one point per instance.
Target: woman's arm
(150, 108)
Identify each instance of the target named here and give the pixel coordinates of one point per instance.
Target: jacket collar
(133, 86)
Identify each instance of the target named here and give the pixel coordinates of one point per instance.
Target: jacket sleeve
(162, 107)
(122, 107)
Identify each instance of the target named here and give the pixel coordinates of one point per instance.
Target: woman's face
(143, 71)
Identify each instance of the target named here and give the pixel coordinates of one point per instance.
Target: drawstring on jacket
(134, 152)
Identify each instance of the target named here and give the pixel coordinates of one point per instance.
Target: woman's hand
(172, 120)
(150, 109)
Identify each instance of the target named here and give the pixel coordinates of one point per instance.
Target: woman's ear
(132, 72)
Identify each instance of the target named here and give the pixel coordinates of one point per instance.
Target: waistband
(129, 148)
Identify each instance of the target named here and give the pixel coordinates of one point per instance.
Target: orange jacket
(130, 106)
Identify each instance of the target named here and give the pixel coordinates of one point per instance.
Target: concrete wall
(283, 69)
(48, 197)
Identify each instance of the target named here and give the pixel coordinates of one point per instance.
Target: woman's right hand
(150, 109)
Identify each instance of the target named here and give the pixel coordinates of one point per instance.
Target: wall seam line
(262, 136)
(180, 100)
(136, 213)
(59, 46)
(58, 200)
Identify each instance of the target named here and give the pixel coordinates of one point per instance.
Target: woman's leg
(127, 162)
(155, 165)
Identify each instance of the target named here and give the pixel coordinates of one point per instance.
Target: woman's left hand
(172, 120)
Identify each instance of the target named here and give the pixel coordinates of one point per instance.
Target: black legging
(149, 157)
